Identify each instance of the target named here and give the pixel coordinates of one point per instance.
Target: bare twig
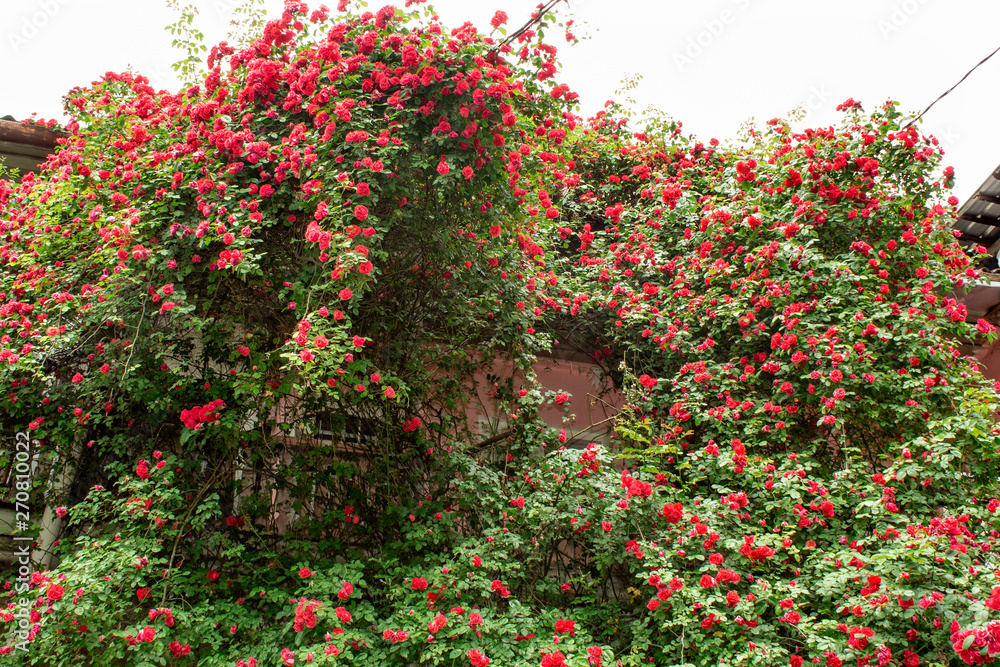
(135, 338)
(495, 439)
(182, 529)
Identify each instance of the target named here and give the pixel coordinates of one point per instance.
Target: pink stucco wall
(988, 357)
(588, 412)
(586, 416)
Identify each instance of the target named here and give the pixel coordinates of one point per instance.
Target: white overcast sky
(712, 64)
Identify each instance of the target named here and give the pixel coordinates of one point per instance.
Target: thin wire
(527, 26)
(952, 88)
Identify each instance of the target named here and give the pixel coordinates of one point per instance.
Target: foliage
(791, 338)
(289, 291)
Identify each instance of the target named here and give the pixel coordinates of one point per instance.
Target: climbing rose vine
(816, 456)
(277, 331)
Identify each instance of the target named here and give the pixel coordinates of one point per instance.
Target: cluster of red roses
(305, 614)
(976, 646)
(199, 415)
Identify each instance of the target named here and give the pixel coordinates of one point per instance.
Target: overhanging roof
(24, 146)
(978, 221)
(979, 218)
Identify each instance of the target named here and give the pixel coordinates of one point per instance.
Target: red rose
(477, 658)
(419, 583)
(361, 212)
(565, 627)
(55, 592)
